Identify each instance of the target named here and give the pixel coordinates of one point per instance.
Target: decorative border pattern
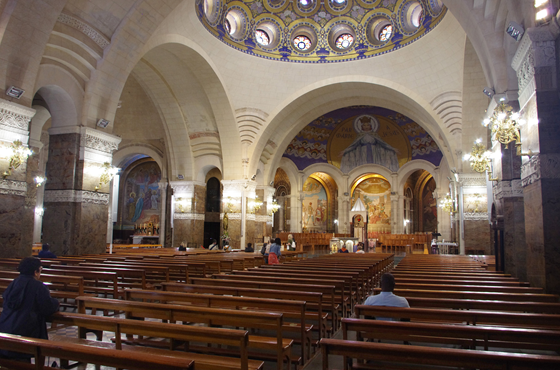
(472, 179)
(84, 28)
(12, 187)
(508, 189)
(189, 216)
(76, 196)
(475, 216)
(531, 170)
(263, 218)
(231, 216)
(96, 140)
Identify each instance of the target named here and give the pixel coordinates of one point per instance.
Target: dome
(313, 31)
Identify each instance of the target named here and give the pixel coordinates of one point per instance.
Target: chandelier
(481, 159)
(274, 207)
(447, 204)
(504, 125)
(17, 153)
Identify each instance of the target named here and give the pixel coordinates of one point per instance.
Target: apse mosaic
(375, 193)
(314, 206)
(312, 31)
(143, 196)
(354, 136)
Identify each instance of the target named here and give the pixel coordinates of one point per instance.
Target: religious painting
(314, 206)
(358, 135)
(142, 202)
(375, 193)
(429, 207)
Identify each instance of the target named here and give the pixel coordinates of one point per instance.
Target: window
(262, 37)
(302, 43)
(385, 33)
(344, 41)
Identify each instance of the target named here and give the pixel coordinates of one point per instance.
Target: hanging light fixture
(504, 125)
(273, 208)
(447, 204)
(18, 153)
(481, 159)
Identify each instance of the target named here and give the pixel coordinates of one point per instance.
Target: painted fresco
(314, 206)
(353, 136)
(143, 196)
(429, 207)
(375, 193)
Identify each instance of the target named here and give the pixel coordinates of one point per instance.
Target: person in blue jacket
(27, 304)
(45, 252)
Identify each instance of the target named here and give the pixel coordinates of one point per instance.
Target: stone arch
(60, 105)
(408, 168)
(370, 168)
(330, 170)
(293, 174)
(328, 95)
(124, 154)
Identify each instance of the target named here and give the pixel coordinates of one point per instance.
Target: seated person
(249, 248)
(386, 297)
(360, 249)
(343, 249)
(27, 304)
(45, 252)
(182, 247)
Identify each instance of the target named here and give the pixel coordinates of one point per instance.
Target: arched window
(385, 33)
(262, 37)
(344, 41)
(302, 43)
(213, 195)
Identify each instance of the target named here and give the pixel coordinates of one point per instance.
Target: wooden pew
(328, 291)
(383, 356)
(127, 277)
(468, 337)
(291, 309)
(210, 316)
(176, 334)
(471, 288)
(94, 281)
(515, 297)
(42, 348)
(477, 304)
(507, 319)
(420, 280)
(314, 299)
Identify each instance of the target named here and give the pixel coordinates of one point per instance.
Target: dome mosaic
(319, 31)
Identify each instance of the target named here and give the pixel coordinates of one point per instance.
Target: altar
(145, 239)
(337, 243)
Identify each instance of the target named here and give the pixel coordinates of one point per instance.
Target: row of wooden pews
(462, 316)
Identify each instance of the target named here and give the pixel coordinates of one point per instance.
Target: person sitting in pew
(343, 249)
(45, 252)
(249, 248)
(386, 297)
(27, 304)
(182, 247)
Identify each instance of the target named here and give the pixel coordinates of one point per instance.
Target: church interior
(426, 131)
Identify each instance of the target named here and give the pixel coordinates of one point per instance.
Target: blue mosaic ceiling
(319, 31)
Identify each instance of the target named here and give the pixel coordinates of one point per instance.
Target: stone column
(162, 186)
(394, 212)
(536, 66)
(265, 218)
(17, 190)
(281, 211)
(187, 212)
(76, 214)
(344, 214)
(295, 213)
(236, 191)
(474, 212)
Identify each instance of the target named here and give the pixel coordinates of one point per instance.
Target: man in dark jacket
(27, 304)
(45, 252)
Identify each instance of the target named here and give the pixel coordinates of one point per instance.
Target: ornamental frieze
(76, 196)
(12, 187)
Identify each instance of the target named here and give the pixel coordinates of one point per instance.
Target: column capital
(184, 188)
(95, 145)
(14, 121)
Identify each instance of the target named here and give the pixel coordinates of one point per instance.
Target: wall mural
(353, 136)
(375, 193)
(314, 206)
(429, 207)
(143, 196)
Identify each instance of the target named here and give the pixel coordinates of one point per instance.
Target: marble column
(474, 212)
(295, 213)
(17, 190)
(536, 67)
(344, 214)
(265, 217)
(237, 192)
(76, 213)
(162, 186)
(187, 212)
(394, 213)
(281, 212)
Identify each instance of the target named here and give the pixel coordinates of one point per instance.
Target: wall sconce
(181, 205)
(480, 159)
(447, 204)
(40, 180)
(229, 202)
(505, 127)
(255, 204)
(39, 211)
(108, 173)
(273, 208)
(18, 153)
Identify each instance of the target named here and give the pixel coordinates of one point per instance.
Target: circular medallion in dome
(336, 30)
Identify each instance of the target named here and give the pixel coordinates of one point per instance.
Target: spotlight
(488, 91)
(515, 30)
(102, 123)
(15, 92)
